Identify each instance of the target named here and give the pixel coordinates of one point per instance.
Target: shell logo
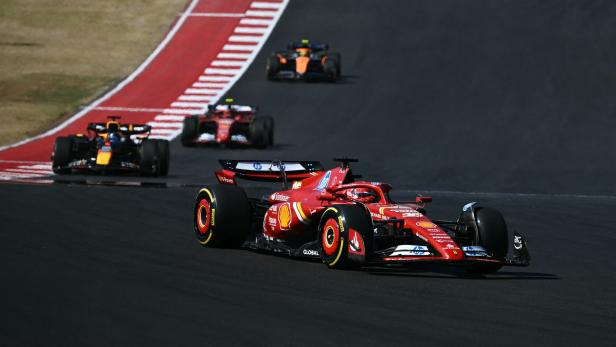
(284, 216)
(425, 224)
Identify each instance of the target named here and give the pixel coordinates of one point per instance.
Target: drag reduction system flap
(266, 170)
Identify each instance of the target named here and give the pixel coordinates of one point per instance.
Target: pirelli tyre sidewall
(222, 216)
(335, 227)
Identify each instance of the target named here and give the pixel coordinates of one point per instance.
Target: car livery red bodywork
(229, 124)
(345, 222)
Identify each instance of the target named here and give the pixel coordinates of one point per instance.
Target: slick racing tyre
(164, 156)
(62, 150)
(336, 58)
(190, 131)
(222, 216)
(262, 131)
(492, 235)
(330, 70)
(149, 164)
(345, 236)
(273, 66)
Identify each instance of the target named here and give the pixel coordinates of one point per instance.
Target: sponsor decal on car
(310, 252)
(297, 185)
(279, 197)
(324, 181)
(410, 250)
(425, 224)
(284, 216)
(257, 166)
(223, 179)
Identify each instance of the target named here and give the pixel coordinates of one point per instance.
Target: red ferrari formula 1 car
(229, 124)
(344, 222)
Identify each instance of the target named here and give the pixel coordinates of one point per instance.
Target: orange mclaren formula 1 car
(111, 147)
(230, 124)
(304, 60)
(329, 215)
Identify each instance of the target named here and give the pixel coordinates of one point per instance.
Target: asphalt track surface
(512, 97)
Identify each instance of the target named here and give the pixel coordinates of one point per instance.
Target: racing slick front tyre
(492, 235)
(62, 150)
(222, 216)
(338, 62)
(190, 131)
(273, 66)
(149, 158)
(164, 156)
(261, 132)
(330, 70)
(345, 236)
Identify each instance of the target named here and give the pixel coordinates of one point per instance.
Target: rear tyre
(492, 235)
(222, 216)
(345, 237)
(259, 132)
(338, 62)
(164, 156)
(190, 131)
(62, 153)
(149, 163)
(269, 128)
(273, 66)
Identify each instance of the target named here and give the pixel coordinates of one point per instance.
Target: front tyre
(190, 131)
(493, 236)
(62, 151)
(345, 236)
(222, 216)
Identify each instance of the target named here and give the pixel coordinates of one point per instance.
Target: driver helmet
(114, 138)
(364, 195)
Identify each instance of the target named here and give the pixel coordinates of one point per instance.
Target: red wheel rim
(204, 216)
(330, 237)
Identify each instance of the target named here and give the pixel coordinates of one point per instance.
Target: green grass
(56, 55)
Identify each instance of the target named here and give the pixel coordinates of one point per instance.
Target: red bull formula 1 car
(111, 147)
(304, 60)
(346, 223)
(229, 124)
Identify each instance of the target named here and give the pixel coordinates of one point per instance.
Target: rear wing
(266, 170)
(128, 129)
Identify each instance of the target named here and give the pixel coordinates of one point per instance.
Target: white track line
(194, 98)
(165, 117)
(271, 5)
(217, 14)
(233, 56)
(201, 91)
(213, 71)
(212, 86)
(251, 13)
(24, 162)
(183, 111)
(158, 125)
(239, 48)
(227, 63)
(248, 30)
(129, 109)
(215, 78)
(36, 172)
(251, 21)
(189, 104)
(244, 38)
(121, 85)
(36, 167)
